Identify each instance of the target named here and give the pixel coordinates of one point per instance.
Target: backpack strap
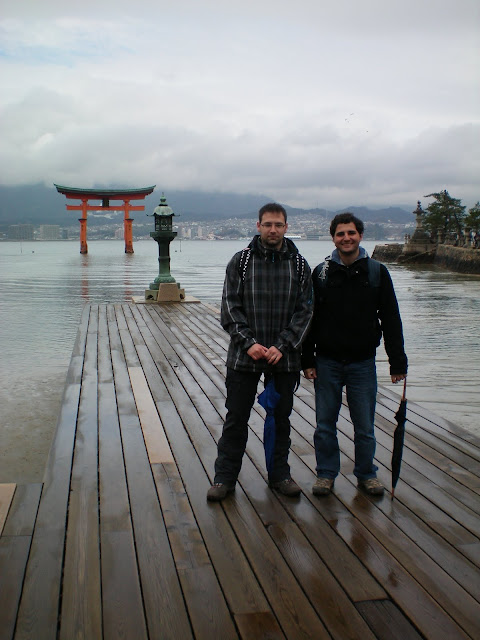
(244, 260)
(322, 276)
(373, 272)
(374, 267)
(300, 264)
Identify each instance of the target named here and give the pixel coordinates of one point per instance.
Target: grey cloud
(314, 103)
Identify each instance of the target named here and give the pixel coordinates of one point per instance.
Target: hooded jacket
(351, 315)
(270, 303)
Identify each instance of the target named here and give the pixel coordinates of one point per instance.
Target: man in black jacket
(267, 306)
(355, 303)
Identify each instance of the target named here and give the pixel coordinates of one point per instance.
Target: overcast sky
(313, 103)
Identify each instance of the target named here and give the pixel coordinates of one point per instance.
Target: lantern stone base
(167, 292)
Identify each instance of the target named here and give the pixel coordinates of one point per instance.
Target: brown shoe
(218, 492)
(372, 486)
(323, 486)
(287, 487)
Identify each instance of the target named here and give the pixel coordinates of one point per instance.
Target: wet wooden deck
(119, 541)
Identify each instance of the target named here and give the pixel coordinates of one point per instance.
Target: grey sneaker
(372, 486)
(287, 487)
(219, 491)
(323, 486)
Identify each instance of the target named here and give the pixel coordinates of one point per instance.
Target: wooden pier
(119, 542)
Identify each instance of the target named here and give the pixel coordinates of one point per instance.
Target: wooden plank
(14, 549)
(432, 448)
(6, 496)
(421, 588)
(434, 423)
(156, 441)
(23, 510)
(122, 606)
(163, 600)
(13, 559)
(205, 601)
(81, 615)
(123, 615)
(418, 605)
(39, 605)
(387, 621)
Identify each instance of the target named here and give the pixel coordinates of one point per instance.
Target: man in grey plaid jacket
(267, 307)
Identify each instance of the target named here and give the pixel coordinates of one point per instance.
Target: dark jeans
(241, 392)
(360, 380)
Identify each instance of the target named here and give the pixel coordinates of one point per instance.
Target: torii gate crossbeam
(105, 195)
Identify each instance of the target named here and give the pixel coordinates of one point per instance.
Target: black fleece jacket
(350, 317)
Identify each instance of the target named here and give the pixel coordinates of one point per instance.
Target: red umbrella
(398, 437)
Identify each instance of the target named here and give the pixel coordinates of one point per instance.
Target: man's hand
(273, 355)
(310, 373)
(257, 351)
(396, 377)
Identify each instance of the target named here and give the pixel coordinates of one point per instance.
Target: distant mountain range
(38, 204)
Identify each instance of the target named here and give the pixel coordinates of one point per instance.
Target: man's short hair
(346, 218)
(272, 207)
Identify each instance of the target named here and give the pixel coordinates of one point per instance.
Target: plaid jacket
(270, 304)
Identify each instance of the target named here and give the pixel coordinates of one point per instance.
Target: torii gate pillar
(83, 226)
(127, 226)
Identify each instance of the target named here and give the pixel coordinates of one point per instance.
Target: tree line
(446, 217)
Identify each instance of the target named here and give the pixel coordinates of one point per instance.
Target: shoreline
(456, 259)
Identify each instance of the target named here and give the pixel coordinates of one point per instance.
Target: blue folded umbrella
(268, 399)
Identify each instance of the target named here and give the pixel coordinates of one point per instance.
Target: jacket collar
(286, 251)
(335, 257)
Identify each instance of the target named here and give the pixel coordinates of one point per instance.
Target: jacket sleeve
(291, 338)
(232, 314)
(391, 323)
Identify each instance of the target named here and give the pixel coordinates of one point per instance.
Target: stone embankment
(458, 259)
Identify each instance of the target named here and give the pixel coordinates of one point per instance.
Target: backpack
(373, 272)
(246, 254)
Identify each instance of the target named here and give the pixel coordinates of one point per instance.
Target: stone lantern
(164, 288)
(420, 242)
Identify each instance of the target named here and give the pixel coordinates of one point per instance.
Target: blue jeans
(360, 380)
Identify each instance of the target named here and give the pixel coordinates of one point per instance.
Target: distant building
(119, 234)
(49, 232)
(20, 232)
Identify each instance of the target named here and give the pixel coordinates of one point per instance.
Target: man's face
(347, 240)
(272, 229)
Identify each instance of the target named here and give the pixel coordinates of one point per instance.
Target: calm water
(44, 286)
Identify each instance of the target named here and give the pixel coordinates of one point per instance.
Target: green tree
(472, 221)
(444, 214)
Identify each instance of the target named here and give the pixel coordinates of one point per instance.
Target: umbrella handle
(404, 396)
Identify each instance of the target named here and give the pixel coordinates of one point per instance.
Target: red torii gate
(105, 195)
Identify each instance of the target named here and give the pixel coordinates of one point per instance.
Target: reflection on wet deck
(119, 541)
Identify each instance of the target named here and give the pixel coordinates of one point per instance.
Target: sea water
(44, 286)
